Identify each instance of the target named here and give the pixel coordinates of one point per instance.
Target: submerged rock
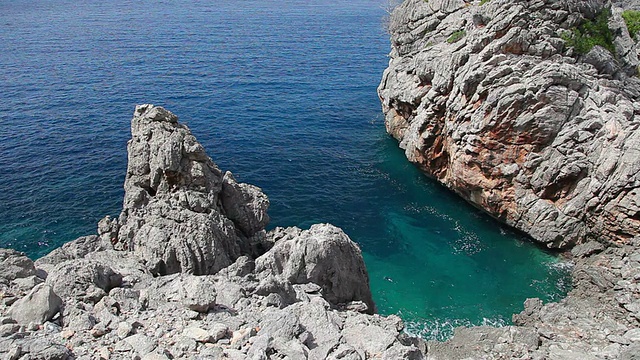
(491, 100)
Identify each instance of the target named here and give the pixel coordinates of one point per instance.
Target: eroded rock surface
(188, 272)
(491, 101)
(173, 215)
(318, 256)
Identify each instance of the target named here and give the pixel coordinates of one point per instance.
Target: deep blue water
(282, 93)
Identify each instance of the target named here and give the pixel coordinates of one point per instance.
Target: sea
(281, 93)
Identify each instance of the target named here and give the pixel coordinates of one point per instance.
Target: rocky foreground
(188, 271)
(503, 102)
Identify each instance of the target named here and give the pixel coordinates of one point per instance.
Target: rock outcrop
(491, 99)
(180, 212)
(188, 271)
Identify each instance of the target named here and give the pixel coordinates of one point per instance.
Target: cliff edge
(510, 105)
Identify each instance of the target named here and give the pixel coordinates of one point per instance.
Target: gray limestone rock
(480, 342)
(631, 352)
(322, 328)
(141, 344)
(27, 283)
(15, 265)
(590, 248)
(41, 304)
(8, 329)
(371, 334)
(179, 212)
(83, 280)
(197, 334)
(196, 293)
(323, 255)
(75, 249)
(245, 205)
(514, 120)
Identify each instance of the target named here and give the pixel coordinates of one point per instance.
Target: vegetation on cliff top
(591, 33)
(632, 20)
(456, 36)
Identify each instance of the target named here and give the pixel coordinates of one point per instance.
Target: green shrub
(591, 33)
(632, 19)
(482, 2)
(456, 36)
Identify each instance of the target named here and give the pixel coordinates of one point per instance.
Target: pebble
(219, 331)
(67, 333)
(618, 339)
(104, 353)
(98, 330)
(124, 329)
(197, 334)
(241, 337)
(9, 329)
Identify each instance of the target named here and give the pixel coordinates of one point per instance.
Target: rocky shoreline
(599, 318)
(510, 105)
(188, 271)
(129, 292)
(504, 103)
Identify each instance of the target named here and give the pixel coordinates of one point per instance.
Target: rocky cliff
(507, 103)
(188, 271)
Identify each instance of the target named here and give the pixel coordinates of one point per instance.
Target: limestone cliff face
(491, 101)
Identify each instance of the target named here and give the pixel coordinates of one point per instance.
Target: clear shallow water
(282, 93)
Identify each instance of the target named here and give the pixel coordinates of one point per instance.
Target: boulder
(75, 249)
(40, 305)
(196, 293)
(15, 265)
(83, 280)
(197, 334)
(45, 349)
(323, 255)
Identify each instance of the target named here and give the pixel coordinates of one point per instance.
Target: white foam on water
(442, 330)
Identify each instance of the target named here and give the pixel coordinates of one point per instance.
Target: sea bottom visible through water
(281, 93)
(453, 265)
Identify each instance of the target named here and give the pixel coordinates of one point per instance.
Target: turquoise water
(282, 94)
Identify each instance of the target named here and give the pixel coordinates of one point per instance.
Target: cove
(282, 94)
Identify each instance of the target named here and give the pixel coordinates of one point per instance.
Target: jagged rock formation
(491, 101)
(177, 200)
(188, 271)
